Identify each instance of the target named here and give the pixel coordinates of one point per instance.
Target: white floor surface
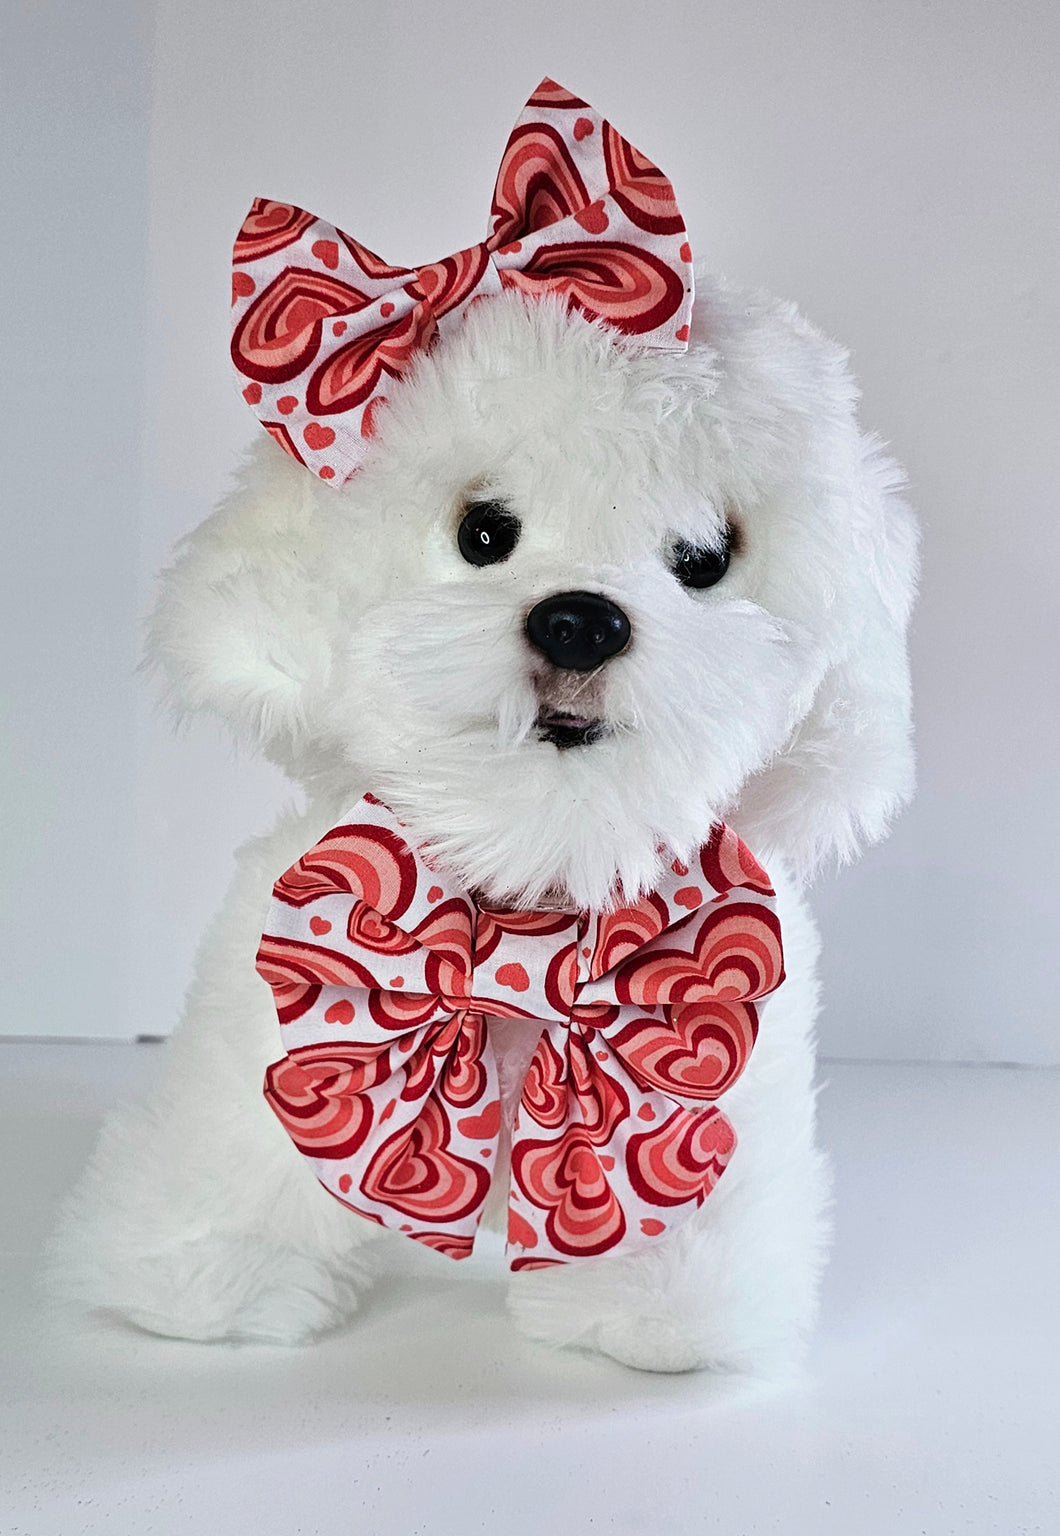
(931, 1405)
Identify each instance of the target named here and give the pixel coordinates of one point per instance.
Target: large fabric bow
(320, 323)
(384, 972)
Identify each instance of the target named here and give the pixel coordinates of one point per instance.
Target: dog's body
(347, 634)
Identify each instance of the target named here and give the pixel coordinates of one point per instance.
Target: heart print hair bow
(385, 971)
(320, 324)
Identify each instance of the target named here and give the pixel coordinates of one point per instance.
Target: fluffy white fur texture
(343, 634)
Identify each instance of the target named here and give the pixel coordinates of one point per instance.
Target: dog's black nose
(578, 631)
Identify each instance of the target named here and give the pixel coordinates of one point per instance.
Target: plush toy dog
(570, 600)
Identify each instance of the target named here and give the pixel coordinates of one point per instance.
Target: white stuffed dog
(580, 589)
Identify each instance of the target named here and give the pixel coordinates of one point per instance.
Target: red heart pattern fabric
(320, 325)
(389, 1086)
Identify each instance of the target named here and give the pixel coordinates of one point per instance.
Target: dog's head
(582, 600)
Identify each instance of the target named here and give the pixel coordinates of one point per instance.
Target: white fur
(343, 634)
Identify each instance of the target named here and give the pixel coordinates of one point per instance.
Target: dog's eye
(488, 533)
(700, 567)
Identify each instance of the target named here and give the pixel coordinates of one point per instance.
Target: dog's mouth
(571, 708)
(566, 730)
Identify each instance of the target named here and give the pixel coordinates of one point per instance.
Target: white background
(892, 166)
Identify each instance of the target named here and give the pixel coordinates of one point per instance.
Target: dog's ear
(848, 766)
(837, 548)
(240, 628)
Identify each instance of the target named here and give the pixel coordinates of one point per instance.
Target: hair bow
(384, 972)
(320, 324)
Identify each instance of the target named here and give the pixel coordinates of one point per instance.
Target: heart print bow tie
(320, 324)
(384, 972)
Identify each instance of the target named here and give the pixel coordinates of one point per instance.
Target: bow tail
(600, 1157)
(402, 1132)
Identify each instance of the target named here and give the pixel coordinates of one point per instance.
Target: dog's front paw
(654, 1312)
(659, 1340)
(652, 1344)
(646, 1342)
(239, 1288)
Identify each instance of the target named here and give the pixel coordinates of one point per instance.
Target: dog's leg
(735, 1287)
(196, 1217)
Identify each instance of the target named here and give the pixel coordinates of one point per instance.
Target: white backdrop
(73, 259)
(891, 166)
